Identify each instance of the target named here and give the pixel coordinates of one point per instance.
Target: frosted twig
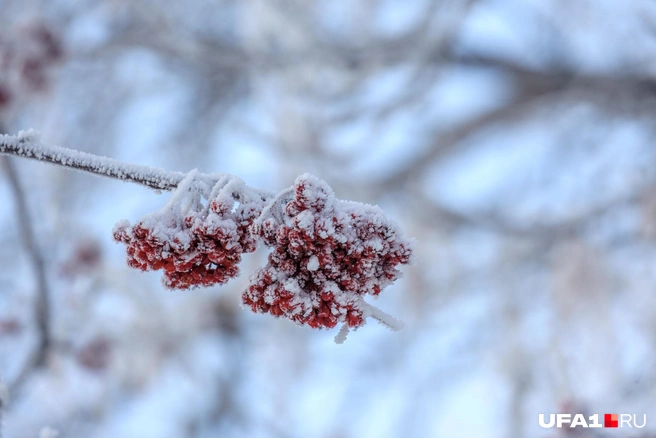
(28, 145)
(343, 333)
(384, 318)
(274, 208)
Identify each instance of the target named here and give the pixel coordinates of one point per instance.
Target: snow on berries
(198, 238)
(326, 254)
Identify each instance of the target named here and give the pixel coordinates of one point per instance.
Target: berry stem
(342, 334)
(383, 318)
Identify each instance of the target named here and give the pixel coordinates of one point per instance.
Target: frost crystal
(313, 263)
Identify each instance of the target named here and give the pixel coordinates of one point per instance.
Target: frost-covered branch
(326, 254)
(27, 144)
(383, 318)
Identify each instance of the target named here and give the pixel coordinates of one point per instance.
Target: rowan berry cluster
(327, 254)
(198, 237)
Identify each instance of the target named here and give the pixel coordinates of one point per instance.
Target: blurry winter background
(515, 140)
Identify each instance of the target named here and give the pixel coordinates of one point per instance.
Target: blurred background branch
(42, 312)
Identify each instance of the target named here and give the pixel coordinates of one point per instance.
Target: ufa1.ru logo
(579, 420)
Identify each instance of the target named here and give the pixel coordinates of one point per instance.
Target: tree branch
(547, 232)
(27, 145)
(4, 400)
(42, 300)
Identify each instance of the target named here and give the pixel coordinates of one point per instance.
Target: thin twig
(383, 318)
(27, 145)
(4, 400)
(42, 299)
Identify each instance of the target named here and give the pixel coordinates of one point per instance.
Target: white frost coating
(316, 190)
(313, 263)
(27, 144)
(292, 286)
(187, 201)
(122, 224)
(383, 318)
(305, 221)
(48, 432)
(274, 208)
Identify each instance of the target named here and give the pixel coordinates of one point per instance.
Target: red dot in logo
(610, 420)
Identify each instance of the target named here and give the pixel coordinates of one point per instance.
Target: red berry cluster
(200, 245)
(327, 255)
